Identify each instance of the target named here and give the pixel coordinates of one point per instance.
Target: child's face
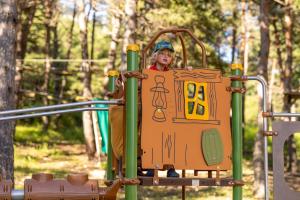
(164, 57)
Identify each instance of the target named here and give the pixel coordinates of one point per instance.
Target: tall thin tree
(87, 90)
(8, 22)
(48, 5)
(26, 12)
(287, 79)
(258, 157)
(130, 27)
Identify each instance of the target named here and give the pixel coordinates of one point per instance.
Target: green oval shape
(212, 147)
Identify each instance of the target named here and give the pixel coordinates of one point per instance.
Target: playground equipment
(185, 124)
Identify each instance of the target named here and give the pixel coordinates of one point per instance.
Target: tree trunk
(277, 46)
(93, 37)
(87, 93)
(287, 82)
(56, 66)
(234, 30)
(48, 15)
(68, 55)
(8, 21)
(116, 20)
(130, 28)
(258, 156)
(115, 36)
(23, 28)
(244, 56)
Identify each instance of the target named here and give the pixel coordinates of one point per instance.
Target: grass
(61, 160)
(34, 135)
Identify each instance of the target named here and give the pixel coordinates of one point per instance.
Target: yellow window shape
(196, 102)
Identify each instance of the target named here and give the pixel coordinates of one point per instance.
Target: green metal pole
(131, 121)
(237, 150)
(112, 75)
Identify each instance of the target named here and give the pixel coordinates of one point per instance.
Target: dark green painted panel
(212, 147)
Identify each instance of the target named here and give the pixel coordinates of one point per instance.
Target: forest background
(64, 50)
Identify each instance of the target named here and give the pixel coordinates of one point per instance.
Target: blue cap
(163, 45)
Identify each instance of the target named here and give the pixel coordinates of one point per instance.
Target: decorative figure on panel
(159, 100)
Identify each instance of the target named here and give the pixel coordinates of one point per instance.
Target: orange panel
(168, 137)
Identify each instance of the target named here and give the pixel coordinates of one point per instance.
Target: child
(161, 60)
(162, 56)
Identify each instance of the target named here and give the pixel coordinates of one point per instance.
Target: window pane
(200, 110)
(191, 107)
(201, 93)
(192, 90)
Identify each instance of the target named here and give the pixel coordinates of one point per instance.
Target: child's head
(162, 53)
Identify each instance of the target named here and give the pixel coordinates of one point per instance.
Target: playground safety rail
(15, 114)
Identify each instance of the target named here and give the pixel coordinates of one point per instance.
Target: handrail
(25, 116)
(58, 106)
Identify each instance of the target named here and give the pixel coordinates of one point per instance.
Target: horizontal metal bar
(58, 106)
(61, 60)
(17, 194)
(285, 114)
(148, 181)
(16, 117)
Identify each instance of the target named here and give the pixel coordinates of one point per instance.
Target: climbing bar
(148, 181)
(263, 83)
(16, 117)
(59, 106)
(273, 114)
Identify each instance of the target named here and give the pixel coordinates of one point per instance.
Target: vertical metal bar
(112, 75)
(237, 154)
(131, 122)
(264, 84)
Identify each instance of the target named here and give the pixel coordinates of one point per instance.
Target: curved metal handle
(177, 32)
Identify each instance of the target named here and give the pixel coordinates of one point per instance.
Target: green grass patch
(29, 134)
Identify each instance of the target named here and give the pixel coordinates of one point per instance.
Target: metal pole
(112, 75)
(59, 106)
(237, 154)
(131, 122)
(263, 83)
(285, 114)
(16, 117)
(17, 194)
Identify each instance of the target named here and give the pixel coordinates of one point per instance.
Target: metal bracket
(270, 133)
(238, 78)
(130, 181)
(236, 183)
(267, 114)
(236, 90)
